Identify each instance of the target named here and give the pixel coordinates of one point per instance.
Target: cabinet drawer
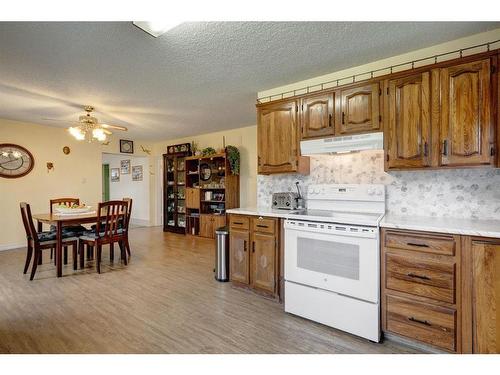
(421, 277)
(427, 323)
(238, 221)
(426, 243)
(263, 224)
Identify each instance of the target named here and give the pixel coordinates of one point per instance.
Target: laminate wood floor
(165, 301)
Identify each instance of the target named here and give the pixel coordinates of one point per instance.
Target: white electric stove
(332, 258)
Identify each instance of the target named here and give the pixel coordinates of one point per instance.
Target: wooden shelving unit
(210, 190)
(174, 188)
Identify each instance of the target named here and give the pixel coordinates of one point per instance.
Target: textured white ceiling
(197, 78)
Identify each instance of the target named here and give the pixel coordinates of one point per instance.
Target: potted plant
(233, 156)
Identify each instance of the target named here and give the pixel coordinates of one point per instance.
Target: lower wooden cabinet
(482, 323)
(442, 289)
(209, 223)
(254, 253)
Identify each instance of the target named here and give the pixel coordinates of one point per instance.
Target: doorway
(105, 182)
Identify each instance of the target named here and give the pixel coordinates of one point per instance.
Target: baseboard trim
(11, 246)
(140, 222)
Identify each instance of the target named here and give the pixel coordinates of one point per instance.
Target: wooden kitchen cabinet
(254, 253)
(481, 323)
(358, 109)
(421, 294)
(239, 259)
(209, 223)
(408, 121)
(193, 198)
(317, 116)
(278, 139)
(263, 265)
(466, 120)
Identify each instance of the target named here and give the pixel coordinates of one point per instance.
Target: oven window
(328, 257)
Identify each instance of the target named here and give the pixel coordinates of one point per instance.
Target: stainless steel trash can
(222, 254)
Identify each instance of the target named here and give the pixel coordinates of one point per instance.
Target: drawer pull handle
(237, 222)
(423, 277)
(262, 226)
(244, 245)
(253, 247)
(424, 322)
(417, 244)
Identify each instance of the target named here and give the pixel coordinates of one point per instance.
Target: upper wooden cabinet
(278, 139)
(466, 123)
(441, 118)
(358, 109)
(408, 121)
(317, 116)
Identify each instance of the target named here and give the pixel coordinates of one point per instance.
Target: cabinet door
(263, 262)
(277, 138)
(358, 110)
(219, 221)
(408, 121)
(317, 116)
(192, 198)
(465, 114)
(206, 226)
(486, 297)
(239, 259)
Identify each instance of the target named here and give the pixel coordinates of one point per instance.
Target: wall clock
(15, 161)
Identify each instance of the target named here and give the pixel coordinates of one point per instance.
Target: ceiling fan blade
(66, 121)
(107, 126)
(107, 131)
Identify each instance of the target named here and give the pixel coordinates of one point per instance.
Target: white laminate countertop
(470, 227)
(260, 211)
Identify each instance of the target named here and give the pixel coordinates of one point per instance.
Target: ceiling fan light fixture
(157, 27)
(99, 134)
(77, 133)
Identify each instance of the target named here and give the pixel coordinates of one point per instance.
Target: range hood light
(156, 28)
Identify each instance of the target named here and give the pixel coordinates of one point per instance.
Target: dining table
(61, 220)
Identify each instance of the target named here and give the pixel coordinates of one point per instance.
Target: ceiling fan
(90, 128)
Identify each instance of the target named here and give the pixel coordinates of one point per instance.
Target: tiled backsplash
(460, 193)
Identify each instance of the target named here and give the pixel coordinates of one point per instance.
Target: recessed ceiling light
(156, 28)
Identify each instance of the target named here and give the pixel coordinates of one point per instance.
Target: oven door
(342, 259)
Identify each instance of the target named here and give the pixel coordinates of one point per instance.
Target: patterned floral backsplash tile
(461, 193)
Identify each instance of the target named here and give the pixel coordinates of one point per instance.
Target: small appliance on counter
(288, 200)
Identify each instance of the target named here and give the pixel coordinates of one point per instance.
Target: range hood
(348, 143)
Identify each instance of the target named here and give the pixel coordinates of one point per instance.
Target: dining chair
(107, 231)
(126, 224)
(38, 241)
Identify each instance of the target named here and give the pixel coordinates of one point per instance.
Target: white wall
(126, 188)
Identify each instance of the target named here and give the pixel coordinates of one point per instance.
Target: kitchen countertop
(260, 211)
(470, 227)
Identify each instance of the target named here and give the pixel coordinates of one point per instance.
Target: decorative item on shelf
(208, 151)
(124, 166)
(180, 148)
(126, 146)
(115, 174)
(137, 173)
(50, 166)
(145, 150)
(233, 156)
(15, 161)
(66, 150)
(194, 148)
(208, 195)
(205, 172)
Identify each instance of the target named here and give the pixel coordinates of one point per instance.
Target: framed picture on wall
(137, 173)
(126, 146)
(115, 174)
(125, 167)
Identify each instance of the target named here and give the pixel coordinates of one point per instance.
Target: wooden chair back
(109, 215)
(29, 226)
(129, 212)
(66, 201)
